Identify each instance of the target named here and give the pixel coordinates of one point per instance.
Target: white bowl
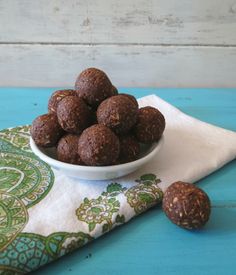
(96, 172)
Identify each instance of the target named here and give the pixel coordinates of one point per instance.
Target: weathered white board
(58, 65)
(164, 43)
(124, 21)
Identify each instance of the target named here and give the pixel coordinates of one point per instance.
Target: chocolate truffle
(131, 98)
(129, 149)
(150, 125)
(98, 146)
(67, 149)
(119, 113)
(114, 91)
(186, 205)
(93, 86)
(56, 97)
(45, 130)
(73, 114)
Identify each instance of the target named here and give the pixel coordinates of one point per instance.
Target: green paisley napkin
(29, 191)
(44, 214)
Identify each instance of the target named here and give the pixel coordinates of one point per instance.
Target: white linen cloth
(192, 150)
(60, 214)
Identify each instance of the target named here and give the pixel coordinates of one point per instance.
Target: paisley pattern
(13, 217)
(61, 243)
(18, 137)
(25, 253)
(101, 209)
(105, 208)
(25, 180)
(145, 194)
(27, 177)
(29, 251)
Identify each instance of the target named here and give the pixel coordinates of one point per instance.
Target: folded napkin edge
(159, 100)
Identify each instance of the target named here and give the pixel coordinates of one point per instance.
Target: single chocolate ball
(129, 149)
(56, 97)
(186, 205)
(93, 86)
(67, 149)
(150, 125)
(73, 114)
(119, 113)
(131, 98)
(98, 146)
(114, 91)
(45, 130)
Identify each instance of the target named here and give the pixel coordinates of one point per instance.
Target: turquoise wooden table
(150, 243)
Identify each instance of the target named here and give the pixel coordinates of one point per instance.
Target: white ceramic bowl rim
(74, 167)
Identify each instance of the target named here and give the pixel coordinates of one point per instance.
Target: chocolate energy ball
(119, 113)
(93, 86)
(67, 149)
(186, 205)
(56, 97)
(45, 130)
(150, 125)
(73, 114)
(131, 98)
(129, 149)
(114, 91)
(98, 146)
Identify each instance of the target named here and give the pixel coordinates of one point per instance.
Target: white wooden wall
(162, 43)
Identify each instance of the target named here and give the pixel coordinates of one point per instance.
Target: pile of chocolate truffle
(94, 125)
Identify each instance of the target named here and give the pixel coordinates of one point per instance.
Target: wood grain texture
(139, 43)
(155, 66)
(125, 21)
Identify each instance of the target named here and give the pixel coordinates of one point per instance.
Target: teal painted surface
(150, 244)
